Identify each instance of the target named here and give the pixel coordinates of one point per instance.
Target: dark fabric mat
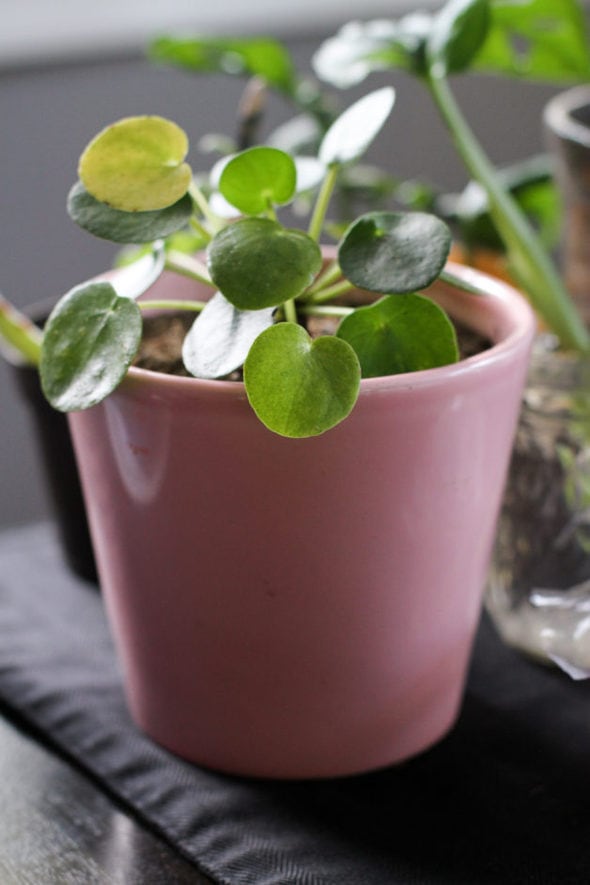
(504, 799)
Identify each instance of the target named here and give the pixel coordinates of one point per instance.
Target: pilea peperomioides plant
(266, 279)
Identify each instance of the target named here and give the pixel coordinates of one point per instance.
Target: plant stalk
(330, 292)
(329, 310)
(531, 265)
(21, 336)
(330, 274)
(321, 207)
(201, 201)
(189, 267)
(172, 304)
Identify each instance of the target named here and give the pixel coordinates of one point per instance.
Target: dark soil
(161, 346)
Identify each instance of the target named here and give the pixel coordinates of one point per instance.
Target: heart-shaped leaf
(458, 32)
(258, 178)
(400, 335)
(89, 342)
(257, 263)
(137, 164)
(126, 227)
(219, 340)
(394, 252)
(297, 386)
(353, 131)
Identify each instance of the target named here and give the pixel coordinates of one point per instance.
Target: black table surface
(57, 827)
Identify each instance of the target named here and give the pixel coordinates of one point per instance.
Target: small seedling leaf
(89, 342)
(219, 340)
(352, 132)
(257, 263)
(257, 179)
(137, 164)
(394, 252)
(297, 386)
(126, 227)
(397, 335)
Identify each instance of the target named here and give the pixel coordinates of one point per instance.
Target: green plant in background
(536, 39)
(266, 279)
(531, 184)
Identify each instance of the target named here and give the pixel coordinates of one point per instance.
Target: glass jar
(538, 592)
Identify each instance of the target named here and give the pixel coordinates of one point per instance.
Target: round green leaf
(137, 164)
(257, 263)
(89, 342)
(126, 227)
(400, 335)
(353, 131)
(299, 387)
(219, 339)
(394, 252)
(458, 32)
(258, 178)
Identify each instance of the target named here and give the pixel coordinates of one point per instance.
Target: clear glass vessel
(539, 586)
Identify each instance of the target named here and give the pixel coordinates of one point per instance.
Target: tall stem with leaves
(531, 265)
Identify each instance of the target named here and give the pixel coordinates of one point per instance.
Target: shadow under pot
(59, 463)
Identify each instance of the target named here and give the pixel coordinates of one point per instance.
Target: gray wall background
(49, 113)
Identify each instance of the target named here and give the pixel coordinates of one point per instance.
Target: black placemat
(504, 799)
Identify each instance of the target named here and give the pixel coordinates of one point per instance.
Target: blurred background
(69, 67)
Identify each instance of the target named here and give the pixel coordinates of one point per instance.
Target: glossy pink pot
(303, 608)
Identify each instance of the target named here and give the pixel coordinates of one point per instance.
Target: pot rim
(559, 110)
(512, 324)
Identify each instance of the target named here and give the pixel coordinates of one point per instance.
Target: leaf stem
(460, 283)
(321, 206)
(290, 311)
(330, 292)
(329, 275)
(187, 266)
(171, 304)
(329, 310)
(531, 265)
(200, 228)
(199, 198)
(20, 335)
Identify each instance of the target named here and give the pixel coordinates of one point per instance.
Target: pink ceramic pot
(303, 608)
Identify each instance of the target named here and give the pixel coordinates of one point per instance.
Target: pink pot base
(303, 608)
(419, 721)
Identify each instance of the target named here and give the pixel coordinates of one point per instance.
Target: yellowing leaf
(137, 164)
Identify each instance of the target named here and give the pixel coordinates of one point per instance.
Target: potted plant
(292, 542)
